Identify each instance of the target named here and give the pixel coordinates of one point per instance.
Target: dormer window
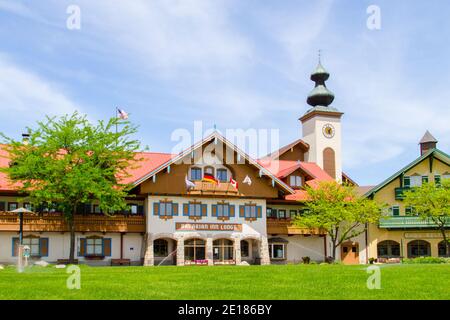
(295, 181)
(196, 173)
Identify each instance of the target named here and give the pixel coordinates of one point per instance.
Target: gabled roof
(211, 137)
(276, 154)
(431, 153)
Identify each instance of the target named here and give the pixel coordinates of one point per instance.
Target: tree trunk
(446, 242)
(72, 237)
(334, 249)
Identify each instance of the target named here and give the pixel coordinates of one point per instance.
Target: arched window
(160, 248)
(196, 173)
(442, 249)
(194, 250)
(244, 249)
(329, 162)
(222, 250)
(388, 249)
(418, 248)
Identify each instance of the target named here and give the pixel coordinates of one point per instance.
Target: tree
(339, 211)
(432, 202)
(68, 161)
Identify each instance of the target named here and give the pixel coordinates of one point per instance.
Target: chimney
(427, 143)
(25, 138)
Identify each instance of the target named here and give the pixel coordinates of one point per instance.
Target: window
(424, 179)
(97, 209)
(437, 180)
(282, 214)
(410, 211)
(295, 181)
(442, 249)
(196, 174)
(165, 208)
(195, 209)
(160, 248)
(223, 210)
(418, 248)
(388, 249)
(28, 206)
(244, 249)
(2, 206)
(292, 213)
(406, 182)
(223, 250)
(446, 176)
(33, 243)
(250, 212)
(12, 206)
(94, 246)
(276, 251)
(271, 213)
(395, 210)
(133, 208)
(194, 250)
(222, 175)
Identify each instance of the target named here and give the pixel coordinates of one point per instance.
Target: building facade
(403, 234)
(175, 217)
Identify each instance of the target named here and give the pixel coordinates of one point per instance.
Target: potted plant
(306, 260)
(372, 260)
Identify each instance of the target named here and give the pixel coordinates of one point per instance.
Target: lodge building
(175, 217)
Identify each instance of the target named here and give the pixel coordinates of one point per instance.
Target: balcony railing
(285, 226)
(209, 188)
(405, 222)
(52, 222)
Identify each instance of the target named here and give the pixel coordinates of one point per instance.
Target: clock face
(328, 131)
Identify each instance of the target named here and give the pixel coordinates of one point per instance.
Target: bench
(120, 262)
(65, 261)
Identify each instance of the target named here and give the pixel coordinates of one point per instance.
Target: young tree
(339, 211)
(432, 202)
(68, 162)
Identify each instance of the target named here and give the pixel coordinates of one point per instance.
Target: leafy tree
(339, 211)
(432, 202)
(68, 162)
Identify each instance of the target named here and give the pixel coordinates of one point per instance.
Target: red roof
(282, 168)
(149, 162)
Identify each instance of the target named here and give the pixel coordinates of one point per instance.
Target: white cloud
(26, 95)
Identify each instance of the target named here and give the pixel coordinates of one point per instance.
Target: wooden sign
(424, 235)
(208, 226)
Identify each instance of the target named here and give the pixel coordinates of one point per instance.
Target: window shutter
(241, 211)
(231, 210)
(87, 208)
(43, 247)
(2, 206)
(259, 211)
(175, 209)
(185, 209)
(82, 251)
(406, 182)
(204, 210)
(15, 247)
(140, 210)
(107, 247)
(214, 210)
(156, 208)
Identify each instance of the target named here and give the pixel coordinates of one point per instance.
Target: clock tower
(322, 127)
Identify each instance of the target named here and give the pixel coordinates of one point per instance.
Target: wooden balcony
(209, 188)
(54, 222)
(285, 226)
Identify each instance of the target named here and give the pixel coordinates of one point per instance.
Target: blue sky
(236, 64)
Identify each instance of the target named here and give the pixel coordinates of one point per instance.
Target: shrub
(372, 260)
(426, 260)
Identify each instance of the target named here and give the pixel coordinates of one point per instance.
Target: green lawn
(229, 282)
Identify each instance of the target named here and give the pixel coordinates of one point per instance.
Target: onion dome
(320, 95)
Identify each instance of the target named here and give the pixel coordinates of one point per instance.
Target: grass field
(229, 282)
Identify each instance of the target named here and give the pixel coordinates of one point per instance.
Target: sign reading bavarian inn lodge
(208, 226)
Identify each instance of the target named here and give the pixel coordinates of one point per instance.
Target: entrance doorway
(350, 253)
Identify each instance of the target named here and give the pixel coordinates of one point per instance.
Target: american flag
(122, 114)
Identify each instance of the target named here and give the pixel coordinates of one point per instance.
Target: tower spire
(320, 95)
